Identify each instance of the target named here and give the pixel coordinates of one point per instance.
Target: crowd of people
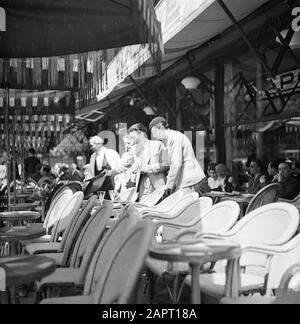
(256, 177)
(167, 162)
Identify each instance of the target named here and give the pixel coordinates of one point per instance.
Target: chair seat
(61, 277)
(57, 257)
(42, 248)
(43, 239)
(160, 267)
(214, 284)
(78, 300)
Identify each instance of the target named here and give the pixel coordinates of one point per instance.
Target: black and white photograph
(149, 155)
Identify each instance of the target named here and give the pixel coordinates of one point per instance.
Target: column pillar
(219, 112)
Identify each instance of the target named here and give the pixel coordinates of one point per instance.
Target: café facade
(245, 58)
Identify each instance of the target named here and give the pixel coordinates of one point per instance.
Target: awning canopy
(51, 43)
(42, 28)
(187, 25)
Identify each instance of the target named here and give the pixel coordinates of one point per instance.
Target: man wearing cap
(185, 171)
(104, 161)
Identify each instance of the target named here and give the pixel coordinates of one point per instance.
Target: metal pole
(6, 119)
(245, 38)
(22, 151)
(14, 154)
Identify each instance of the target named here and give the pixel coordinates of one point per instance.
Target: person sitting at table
(30, 163)
(74, 174)
(213, 180)
(272, 171)
(257, 180)
(289, 185)
(46, 180)
(225, 179)
(36, 176)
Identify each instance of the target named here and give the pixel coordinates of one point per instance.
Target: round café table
(24, 207)
(221, 196)
(22, 270)
(15, 235)
(18, 216)
(22, 233)
(197, 254)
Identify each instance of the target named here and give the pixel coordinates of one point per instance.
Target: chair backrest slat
(265, 196)
(152, 199)
(71, 235)
(118, 280)
(69, 212)
(56, 208)
(129, 196)
(108, 247)
(91, 233)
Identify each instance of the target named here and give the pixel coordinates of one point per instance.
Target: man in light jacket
(104, 162)
(150, 162)
(185, 171)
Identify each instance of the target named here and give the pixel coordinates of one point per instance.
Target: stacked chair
(219, 218)
(62, 211)
(110, 266)
(267, 195)
(61, 250)
(264, 236)
(128, 196)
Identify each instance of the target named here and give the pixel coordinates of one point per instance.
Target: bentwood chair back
(108, 247)
(218, 220)
(56, 208)
(284, 257)
(152, 199)
(72, 233)
(120, 276)
(69, 236)
(116, 265)
(169, 202)
(171, 209)
(265, 196)
(59, 188)
(52, 195)
(287, 293)
(129, 196)
(273, 224)
(270, 227)
(68, 213)
(295, 202)
(90, 236)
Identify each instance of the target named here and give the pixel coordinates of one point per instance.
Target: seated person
(290, 186)
(225, 179)
(47, 179)
(36, 176)
(213, 178)
(74, 174)
(272, 171)
(258, 177)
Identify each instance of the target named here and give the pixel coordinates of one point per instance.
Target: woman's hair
(275, 163)
(140, 128)
(222, 167)
(212, 167)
